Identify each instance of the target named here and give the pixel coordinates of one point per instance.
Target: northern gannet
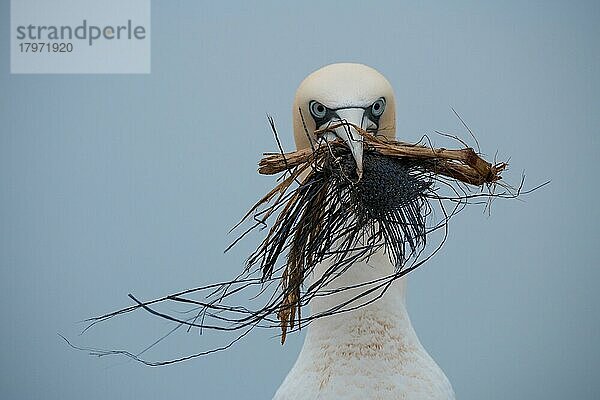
(372, 352)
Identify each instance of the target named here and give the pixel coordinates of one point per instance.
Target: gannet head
(352, 93)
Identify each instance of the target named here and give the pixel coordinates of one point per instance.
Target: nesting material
(333, 213)
(321, 210)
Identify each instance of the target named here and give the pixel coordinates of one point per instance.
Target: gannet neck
(371, 352)
(382, 314)
(373, 269)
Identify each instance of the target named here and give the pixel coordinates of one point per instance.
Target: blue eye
(317, 109)
(378, 107)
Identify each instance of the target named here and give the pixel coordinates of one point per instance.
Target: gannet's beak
(349, 134)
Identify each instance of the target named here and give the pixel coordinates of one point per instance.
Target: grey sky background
(113, 184)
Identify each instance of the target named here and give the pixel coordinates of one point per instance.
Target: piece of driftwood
(464, 165)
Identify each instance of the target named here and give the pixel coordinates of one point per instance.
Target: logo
(80, 36)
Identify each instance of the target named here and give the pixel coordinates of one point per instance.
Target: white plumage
(371, 352)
